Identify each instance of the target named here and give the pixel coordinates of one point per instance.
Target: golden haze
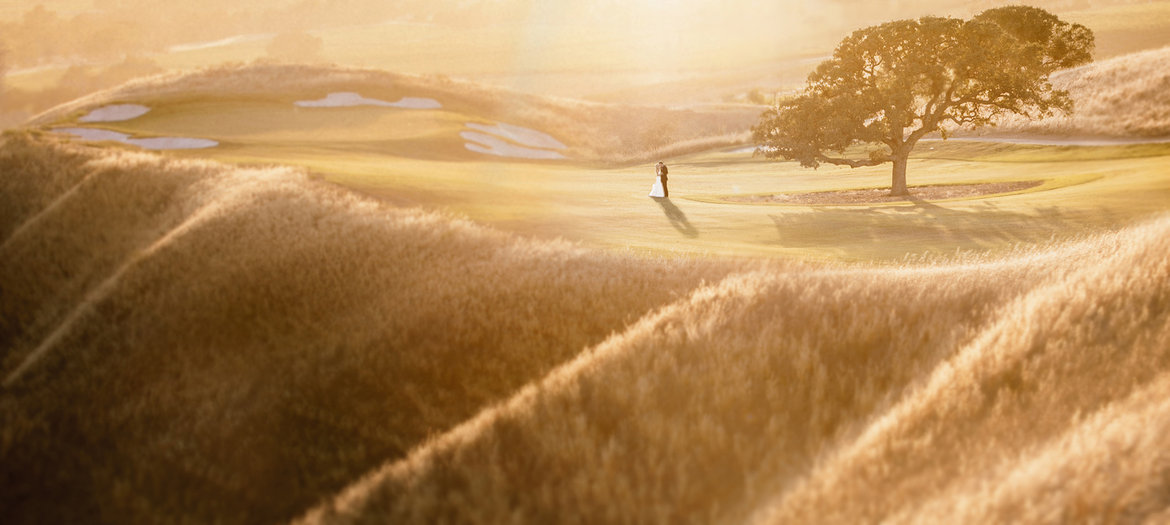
(349, 316)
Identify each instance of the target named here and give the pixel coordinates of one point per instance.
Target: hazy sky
(657, 29)
(520, 43)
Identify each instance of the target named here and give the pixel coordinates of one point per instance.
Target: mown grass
(608, 208)
(417, 158)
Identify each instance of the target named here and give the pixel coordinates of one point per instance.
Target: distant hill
(594, 132)
(1123, 97)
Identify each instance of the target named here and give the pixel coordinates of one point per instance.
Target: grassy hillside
(243, 105)
(375, 314)
(1123, 97)
(421, 157)
(186, 341)
(1029, 388)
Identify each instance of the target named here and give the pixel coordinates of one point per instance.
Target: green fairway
(610, 207)
(418, 158)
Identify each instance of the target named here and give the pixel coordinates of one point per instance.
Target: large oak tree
(887, 86)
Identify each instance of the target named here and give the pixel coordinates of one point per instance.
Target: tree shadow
(677, 218)
(920, 226)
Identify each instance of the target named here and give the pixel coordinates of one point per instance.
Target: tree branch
(932, 115)
(854, 163)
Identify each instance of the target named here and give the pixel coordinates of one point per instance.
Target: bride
(659, 188)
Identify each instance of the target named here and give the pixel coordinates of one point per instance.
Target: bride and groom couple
(659, 188)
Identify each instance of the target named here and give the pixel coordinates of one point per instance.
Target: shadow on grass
(677, 218)
(920, 227)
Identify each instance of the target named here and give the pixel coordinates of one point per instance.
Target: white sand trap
(94, 134)
(115, 113)
(493, 145)
(519, 135)
(348, 99)
(161, 143)
(153, 143)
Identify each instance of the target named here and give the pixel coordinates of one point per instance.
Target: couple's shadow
(677, 218)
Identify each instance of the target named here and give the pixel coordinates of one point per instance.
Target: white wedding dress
(656, 189)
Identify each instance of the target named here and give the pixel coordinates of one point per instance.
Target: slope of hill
(182, 341)
(1025, 389)
(1122, 97)
(255, 105)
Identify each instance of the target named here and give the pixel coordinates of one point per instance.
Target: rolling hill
(1025, 389)
(552, 168)
(1124, 97)
(188, 341)
(257, 105)
(185, 340)
(369, 297)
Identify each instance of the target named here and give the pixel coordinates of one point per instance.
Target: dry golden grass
(595, 132)
(1125, 97)
(184, 342)
(1027, 389)
(188, 342)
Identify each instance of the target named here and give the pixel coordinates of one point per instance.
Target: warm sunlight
(318, 262)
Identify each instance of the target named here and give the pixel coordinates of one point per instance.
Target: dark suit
(661, 170)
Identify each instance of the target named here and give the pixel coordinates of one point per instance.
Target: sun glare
(654, 37)
(321, 262)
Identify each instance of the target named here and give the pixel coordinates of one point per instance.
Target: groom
(661, 170)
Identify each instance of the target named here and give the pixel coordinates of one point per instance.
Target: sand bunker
(348, 99)
(507, 140)
(94, 134)
(115, 113)
(519, 135)
(493, 145)
(152, 143)
(161, 143)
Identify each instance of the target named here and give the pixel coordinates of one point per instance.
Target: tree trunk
(898, 186)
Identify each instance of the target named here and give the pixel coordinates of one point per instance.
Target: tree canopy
(887, 86)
